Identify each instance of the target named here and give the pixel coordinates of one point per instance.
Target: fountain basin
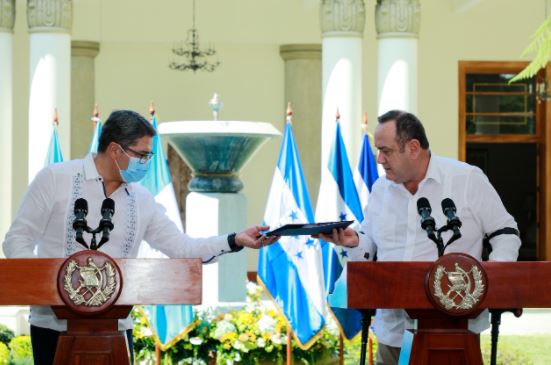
(216, 151)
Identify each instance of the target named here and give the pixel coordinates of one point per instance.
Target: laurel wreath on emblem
(461, 287)
(92, 281)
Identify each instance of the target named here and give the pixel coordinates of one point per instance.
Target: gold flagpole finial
(56, 118)
(95, 116)
(364, 122)
(289, 113)
(151, 109)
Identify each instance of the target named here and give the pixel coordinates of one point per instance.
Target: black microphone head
(108, 205)
(423, 204)
(448, 204)
(81, 205)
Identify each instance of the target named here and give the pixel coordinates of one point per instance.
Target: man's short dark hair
(408, 127)
(124, 127)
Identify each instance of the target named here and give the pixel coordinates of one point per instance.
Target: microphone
(106, 224)
(449, 209)
(80, 224)
(427, 222)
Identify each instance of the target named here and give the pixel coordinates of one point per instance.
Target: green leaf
(541, 45)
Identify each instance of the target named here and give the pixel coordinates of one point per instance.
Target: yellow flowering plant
(254, 334)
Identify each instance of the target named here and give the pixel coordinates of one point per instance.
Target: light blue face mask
(135, 170)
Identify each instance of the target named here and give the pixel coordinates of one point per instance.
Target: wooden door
(502, 130)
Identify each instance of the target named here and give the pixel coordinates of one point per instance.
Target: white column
(342, 24)
(49, 24)
(7, 19)
(213, 214)
(397, 23)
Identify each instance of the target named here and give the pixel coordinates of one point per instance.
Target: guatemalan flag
(168, 322)
(367, 171)
(54, 154)
(291, 269)
(338, 201)
(95, 138)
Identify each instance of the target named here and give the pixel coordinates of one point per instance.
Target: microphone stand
(440, 243)
(104, 226)
(437, 238)
(366, 321)
(80, 239)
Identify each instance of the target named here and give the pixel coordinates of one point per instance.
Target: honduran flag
(338, 201)
(367, 172)
(291, 269)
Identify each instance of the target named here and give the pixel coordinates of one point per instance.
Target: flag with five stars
(338, 201)
(168, 322)
(291, 269)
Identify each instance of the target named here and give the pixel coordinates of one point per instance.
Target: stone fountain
(216, 151)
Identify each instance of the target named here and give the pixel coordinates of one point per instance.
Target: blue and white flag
(338, 201)
(95, 138)
(291, 269)
(54, 154)
(169, 322)
(366, 173)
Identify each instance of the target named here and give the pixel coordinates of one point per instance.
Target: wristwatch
(231, 242)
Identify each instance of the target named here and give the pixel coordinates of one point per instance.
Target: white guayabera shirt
(392, 228)
(43, 225)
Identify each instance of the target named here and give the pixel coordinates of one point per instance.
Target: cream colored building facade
(121, 51)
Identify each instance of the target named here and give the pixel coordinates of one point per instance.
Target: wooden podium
(103, 290)
(442, 335)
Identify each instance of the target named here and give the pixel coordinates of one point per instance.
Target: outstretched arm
(252, 237)
(343, 237)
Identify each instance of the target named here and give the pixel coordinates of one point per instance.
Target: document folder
(307, 229)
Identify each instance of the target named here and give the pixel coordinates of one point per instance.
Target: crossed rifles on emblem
(96, 284)
(460, 285)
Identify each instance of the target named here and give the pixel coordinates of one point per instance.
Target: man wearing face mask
(43, 223)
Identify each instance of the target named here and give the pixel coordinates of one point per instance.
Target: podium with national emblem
(92, 291)
(443, 296)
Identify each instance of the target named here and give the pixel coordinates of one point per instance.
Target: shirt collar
(433, 172)
(91, 172)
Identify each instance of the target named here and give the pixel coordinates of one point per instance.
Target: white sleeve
(162, 234)
(32, 217)
(366, 249)
(486, 204)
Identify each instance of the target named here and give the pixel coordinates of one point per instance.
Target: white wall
(497, 30)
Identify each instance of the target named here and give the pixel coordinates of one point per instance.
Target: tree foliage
(541, 46)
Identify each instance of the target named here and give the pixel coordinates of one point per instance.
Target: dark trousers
(387, 355)
(44, 342)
